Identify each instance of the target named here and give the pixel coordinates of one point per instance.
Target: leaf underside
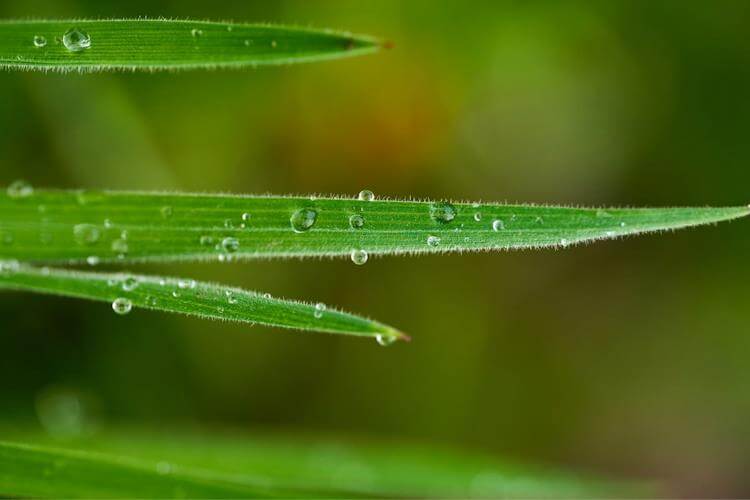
(126, 227)
(162, 44)
(163, 465)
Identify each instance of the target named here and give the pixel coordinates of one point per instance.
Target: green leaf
(66, 226)
(168, 464)
(160, 44)
(206, 300)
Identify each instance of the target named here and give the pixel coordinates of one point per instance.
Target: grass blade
(101, 226)
(227, 465)
(192, 298)
(160, 44)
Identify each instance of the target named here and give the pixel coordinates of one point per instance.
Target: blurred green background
(626, 358)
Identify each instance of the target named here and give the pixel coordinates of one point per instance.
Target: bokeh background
(626, 359)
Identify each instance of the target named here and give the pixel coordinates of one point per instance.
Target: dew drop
(442, 212)
(266, 295)
(356, 221)
(228, 223)
(122, 306)
(151, 301)
(206, 241)
(230, 245)
(92, 260)
(366, 195)
(120, 246)
(385, 340)
(196, 33)
(40, 41)
(477, 216)
(8, 267)
(498, 225)
(20, 189)
(564, 243)
(359, 257)
(86, 234)
(175, 293)
(623, 224)
(303, 219)
(166, 212)
(230, 297)
(433, 241)
(247, 43)
(320, 308)
(129, 284)
(76, 40)
(274, 44)
(185, 284)
(246, 217)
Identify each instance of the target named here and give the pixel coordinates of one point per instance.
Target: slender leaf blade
(67, 226)
(161, 44)
(206, 300)
(130, 463)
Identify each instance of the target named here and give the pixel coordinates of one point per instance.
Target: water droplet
(20, 189)
(442, 212)
(175, 293)
(366, 195)
(185, 284)
(229, 29)
(356, 221)
(120, 246)
(230, 245)
(76, 40)
(129, 284)
(39, 41)
(498, 225)
(166, 212)
(385, 340)
(92, 260)
(228, 223)
(246, 217)
(247, 43)
(477, 216)
(539, 220)
(196, 33)
(86, 234)
(303, 219)
(623, 224)
(359, 257)
(8, 267)
(273, 43)
(122, 306)
(151, 301)
(564, 243)
(433, 241)
(230, 297)
(609, 233)
(206, 241)
(320, 308)
(266, 295)
(107, 224)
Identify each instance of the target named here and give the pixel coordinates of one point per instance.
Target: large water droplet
(320, 308)
(442, 212)
(498, 225)
(230, 245)
(39, 41)
(122, 306)
(433, 241)
(76, 40)
(86, 234)
(359, 257)
(366, 195)
(356, 221)
(385, 340)
(303, 219)
(20, 189)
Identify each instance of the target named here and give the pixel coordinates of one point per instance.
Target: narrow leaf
(167, 464)
(160, 44)
(67, 226)
(206, 300)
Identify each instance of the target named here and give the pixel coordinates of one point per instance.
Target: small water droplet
(433, 241)
(129, 284)
(366, 195)
(356, 221)
(385, 340)
(185, 284)
(246, 217)
(107, 224)
(230, 297)
(122, 306)
(120, 246)
(196, 33)
(229, 29)
(303, 219)
(623, 224)
(206, 241)
(247, 43)
(20, 189)
(359, 257)
(8, 267)
(151, 301)
(86, 234)
(564, 243)
(609, 233)
(76, 40)
(230, 245)
(92, 260)
(166, 212)
(39, 41)
(273, 44)
(442, 212)
(175, 293)
(539, 220)
(266, 295)
(498, 225)
(320, 308)
(477, 216)
(228, 223)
